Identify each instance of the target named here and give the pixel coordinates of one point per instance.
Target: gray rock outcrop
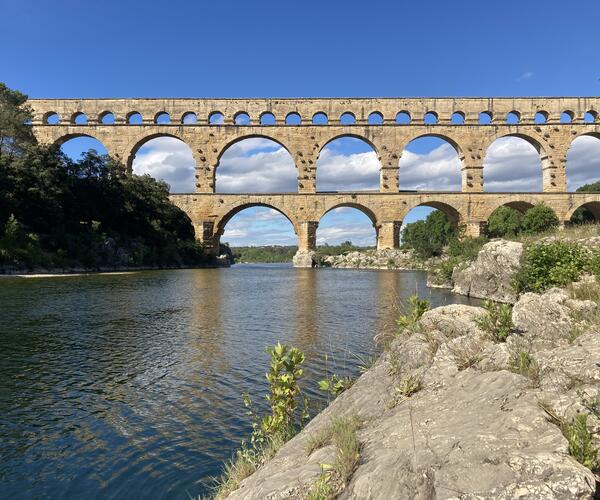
(474, 430)
(305, 258)
(490, 276)
(374, 259)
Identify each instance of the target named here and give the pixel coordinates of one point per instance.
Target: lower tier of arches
(387, 211)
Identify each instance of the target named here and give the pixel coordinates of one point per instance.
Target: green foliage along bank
(281, 253)
(57, 213)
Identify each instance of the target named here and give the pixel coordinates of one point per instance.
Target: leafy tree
(538, 219)
(428, 237)
(504, 221)
(81, 213)
(14, 117)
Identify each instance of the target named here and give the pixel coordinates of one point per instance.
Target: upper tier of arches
(273, 112)
(305, 152)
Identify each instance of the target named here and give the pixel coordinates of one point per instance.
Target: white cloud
(525, 76)
(438, 170)
(583, 162)
(259, 226)
(168, 159)
(512, 164)
(256, 165)
(347, 172)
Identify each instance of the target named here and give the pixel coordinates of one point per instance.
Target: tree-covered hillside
(59, 213)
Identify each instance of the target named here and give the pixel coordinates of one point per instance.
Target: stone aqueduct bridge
(386, 208)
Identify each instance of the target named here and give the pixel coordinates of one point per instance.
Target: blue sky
(335, 48)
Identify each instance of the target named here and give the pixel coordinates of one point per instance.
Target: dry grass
(467, 354)
(523, 363)
(587, 289)
(574, 232)
(342, 432)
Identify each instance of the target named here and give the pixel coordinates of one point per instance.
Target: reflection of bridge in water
(210, 126)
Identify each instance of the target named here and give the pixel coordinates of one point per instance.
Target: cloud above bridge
(259, 165)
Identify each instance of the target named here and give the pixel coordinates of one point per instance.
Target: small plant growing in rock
(525, 364)
(497, 321)
(335, 385)
(417, 308)
(342, 432)
(271, 431)
(407, 387)
(581, 447)
(576, 432)
(467, 354)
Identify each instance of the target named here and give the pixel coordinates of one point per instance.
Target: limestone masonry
(209, 138)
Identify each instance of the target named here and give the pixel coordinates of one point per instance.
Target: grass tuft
(523, 363)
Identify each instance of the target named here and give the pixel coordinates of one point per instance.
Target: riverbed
(130, 385)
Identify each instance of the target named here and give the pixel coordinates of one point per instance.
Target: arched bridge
(305, 126)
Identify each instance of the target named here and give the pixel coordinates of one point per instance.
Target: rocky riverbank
(452, 411)
(465, 402)
(401, 259)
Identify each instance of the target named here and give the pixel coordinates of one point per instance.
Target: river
(130, 385)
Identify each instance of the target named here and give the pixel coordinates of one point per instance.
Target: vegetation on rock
(497, 321)
(546, 265)
(270, 431)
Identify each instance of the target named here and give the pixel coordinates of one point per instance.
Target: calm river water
(130, 386)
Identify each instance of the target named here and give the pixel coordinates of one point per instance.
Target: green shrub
(581, 447)
(271, 431)
(539, 219)
(428, 237)
(594, 264)
(335, 385)
(417, 308)
(547, 265)
(504, 221)
(497, 321)
(466, 248)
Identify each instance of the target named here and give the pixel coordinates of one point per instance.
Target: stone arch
(134, 118)
(519, 203)
(171, 160)
(350, 204)
(285, 177)
(267, 118)
(541, 169)
(587, 210)
(455, 216)
(226, 216)
(454, 184)
(227, 145)
(75, 145)
(216, 118)
(162, 118)
(347, 118)
(189, 118)
(242, 118)
(458, 118)
(106, 118)
(137, 143)
(362, 166)
(293, 118)
(51, 118)
(79, 118)
(350, 220)
(583, 160)
(67, 137)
